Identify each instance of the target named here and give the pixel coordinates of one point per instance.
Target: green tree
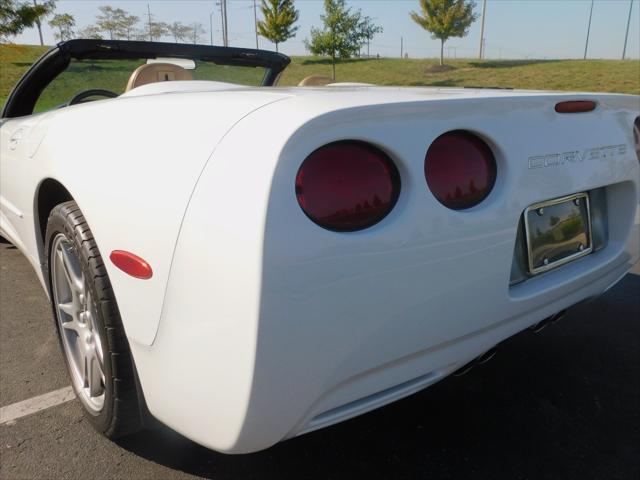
(195, 32)
(47, 7)
(157, 30)
(445, 19)
(64, 23)
(179, 31)
(344, 32)
(91, 31)
(15, 16)
(141, 34)
(128, 24)
(279, 17)
(110, 20)
(368, 30)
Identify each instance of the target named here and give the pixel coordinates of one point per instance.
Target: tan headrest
(156, 72)
(315, 81)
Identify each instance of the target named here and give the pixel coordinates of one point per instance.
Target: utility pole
(626, 35)
(484, 10)
(211, 26)
(255, 22)
(149, 14)
(401, 47)
(226, 24)
(224, 35)
(586, 45)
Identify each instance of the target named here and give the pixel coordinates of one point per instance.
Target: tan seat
(156, 72)
(315, 81)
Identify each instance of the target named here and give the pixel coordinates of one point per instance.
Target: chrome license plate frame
(547, 245)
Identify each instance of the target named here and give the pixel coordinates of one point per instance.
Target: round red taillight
(347, 185)
(460, 169)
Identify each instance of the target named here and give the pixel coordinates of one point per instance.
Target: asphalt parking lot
(561, 404)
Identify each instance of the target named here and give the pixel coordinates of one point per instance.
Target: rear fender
(132, 172)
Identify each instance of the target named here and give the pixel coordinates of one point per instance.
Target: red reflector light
(131, 264)
(460, 169)
(348, 185)
(575, 106)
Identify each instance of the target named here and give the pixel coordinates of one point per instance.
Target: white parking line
(11, 413)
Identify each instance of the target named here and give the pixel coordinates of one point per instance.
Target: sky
(513, 28)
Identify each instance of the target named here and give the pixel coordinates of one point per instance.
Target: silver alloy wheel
(76, 317)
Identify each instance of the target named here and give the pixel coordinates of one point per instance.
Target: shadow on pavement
(559, 404)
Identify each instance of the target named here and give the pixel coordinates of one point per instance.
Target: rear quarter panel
(131, 165)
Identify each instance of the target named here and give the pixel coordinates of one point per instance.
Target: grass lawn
(576, 75)
(591, 75)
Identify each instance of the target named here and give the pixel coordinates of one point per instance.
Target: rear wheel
(89, 326)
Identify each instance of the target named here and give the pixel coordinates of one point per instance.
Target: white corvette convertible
(246, 263)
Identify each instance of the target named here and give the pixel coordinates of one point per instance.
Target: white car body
(258, 325)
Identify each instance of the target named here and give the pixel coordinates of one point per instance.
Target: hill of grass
(576, 75)
(14, 61)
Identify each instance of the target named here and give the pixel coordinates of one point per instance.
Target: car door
(19, 140)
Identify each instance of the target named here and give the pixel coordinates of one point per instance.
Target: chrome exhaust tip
(542, 324)
(479, 360)
(486, 356)
(558, 316)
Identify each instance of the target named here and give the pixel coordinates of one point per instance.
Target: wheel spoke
(91, 324)
(69, 308)
(88, 316)
(72, 325)
(94, 373)
(76, 282)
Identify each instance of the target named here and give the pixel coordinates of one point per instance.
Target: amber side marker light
(575, 106)
(131, 264)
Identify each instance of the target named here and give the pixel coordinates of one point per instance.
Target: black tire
(120, 414)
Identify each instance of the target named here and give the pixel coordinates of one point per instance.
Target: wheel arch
(50, 192)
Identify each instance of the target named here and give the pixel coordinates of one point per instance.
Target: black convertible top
(23, 98)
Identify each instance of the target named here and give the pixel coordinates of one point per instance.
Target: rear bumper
(406, 376)
(289, 394)
(242, 362)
